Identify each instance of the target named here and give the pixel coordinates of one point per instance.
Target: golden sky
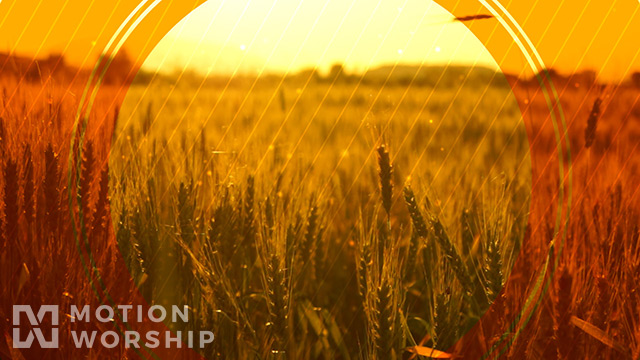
(288, 35)
(569, 35)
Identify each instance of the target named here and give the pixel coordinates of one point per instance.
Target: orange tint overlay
(599, 238)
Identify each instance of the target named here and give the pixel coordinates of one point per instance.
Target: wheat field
(274, 187)
(307, 217)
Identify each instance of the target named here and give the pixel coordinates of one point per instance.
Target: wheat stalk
(493, 269)
(562, 328)
(592, 123)
(385, 317)
(51, 189)
(419, 224)
(385, 173)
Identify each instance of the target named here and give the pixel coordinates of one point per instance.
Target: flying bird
(472, 17)
(463, 19)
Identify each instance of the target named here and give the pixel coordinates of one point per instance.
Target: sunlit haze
(254, 37)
